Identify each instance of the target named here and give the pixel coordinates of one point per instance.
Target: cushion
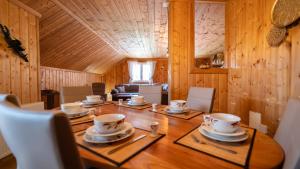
(121, 89)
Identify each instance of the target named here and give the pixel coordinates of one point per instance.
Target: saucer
(209, 129)
(168, 110)
(91, 131)
(223, 138)
(75, 114)
(125, 134)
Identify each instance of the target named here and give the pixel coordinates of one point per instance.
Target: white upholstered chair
(151, 93)
(37, 140)
(288, 135)
(37, 106)
(75, 93)
(201, 99)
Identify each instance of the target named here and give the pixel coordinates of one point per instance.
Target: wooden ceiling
(135, 28)
(209, 28)
(66, 43)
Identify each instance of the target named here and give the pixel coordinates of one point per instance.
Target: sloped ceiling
(209, 28)
(65, 43)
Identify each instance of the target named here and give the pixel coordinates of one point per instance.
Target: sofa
(124, 91)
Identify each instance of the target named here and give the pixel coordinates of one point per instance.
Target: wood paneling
(259, 76)
(118, 74)
(16, 76)
(67, 43)
(134, 28)
(54, 78)
(181, 49)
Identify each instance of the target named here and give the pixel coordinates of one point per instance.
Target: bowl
(109, 123)
(226, 123)
(93, 98)
(70, 107)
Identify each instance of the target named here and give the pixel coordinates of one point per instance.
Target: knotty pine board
(55, 78)
(16, 76)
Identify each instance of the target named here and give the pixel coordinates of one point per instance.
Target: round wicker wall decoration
(285, 12)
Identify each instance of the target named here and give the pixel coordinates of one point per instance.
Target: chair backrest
(37, 139)
(37, 106)
(151, 93)
(201, 99)
(287, 134)
(75, 93)
(98, 88)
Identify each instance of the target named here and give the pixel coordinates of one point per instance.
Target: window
(141, 71)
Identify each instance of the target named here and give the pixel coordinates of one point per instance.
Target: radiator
(4, 150)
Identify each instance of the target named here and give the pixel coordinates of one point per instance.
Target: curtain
(148, 71)
(134, 75)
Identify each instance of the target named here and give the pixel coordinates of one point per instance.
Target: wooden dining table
(164, 154)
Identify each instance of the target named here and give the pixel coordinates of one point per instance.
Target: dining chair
(151, 93)
(38, 140)
(201, 99)
(99, 89)
(287, 134)
(75, 93)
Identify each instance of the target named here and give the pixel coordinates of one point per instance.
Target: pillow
(121, 89)
(114, 91)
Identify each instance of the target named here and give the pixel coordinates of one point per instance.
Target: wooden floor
(8, 163)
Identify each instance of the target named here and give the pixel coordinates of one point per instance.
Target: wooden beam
(27, 8)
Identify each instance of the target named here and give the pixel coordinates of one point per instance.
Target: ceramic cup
(177, 105)
(154, 128)
(137, 99)
(70, 107)
(120, 101)
(109, 123)
(93, 98)
(154, 107)
(221, 122)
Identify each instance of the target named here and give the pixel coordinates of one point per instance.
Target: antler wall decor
(285, 15)
(13, 43)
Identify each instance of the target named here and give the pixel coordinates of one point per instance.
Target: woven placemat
(243, 149)
(187, 115)
(134, 107)
(121, 156)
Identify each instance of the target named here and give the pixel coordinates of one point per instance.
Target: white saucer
(223, 138)
(170, 111)
(209, 129)
(75, 114)
(136, 104)
(97, 140)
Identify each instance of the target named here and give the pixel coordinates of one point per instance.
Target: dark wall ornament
(13, 43)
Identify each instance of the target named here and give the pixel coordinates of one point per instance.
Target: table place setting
(221, 136)
(177, 108)
(93, 101)
(116, 140)
(136, 102)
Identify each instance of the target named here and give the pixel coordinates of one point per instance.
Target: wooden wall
(259, 75)
(119, 74)
(16, 76)
(181, 49)
(54, 78)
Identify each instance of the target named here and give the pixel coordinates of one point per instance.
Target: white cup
(109, 123)
(93, 98)
(154, 107)
(177, 104)
(221, 122)
(120, 101)
(154, 128)
(137, 99)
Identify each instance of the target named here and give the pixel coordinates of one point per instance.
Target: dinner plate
(223, 138)
(209, 129)
(170, 111)
(136, 104)
(76, 114)
(97, 140)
